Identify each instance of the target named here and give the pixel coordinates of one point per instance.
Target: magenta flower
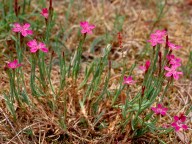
(45, 12)
(173, 46)
(14, 64)
(35, 46)
(172, 72)
(23, 29)
(128, 80)
(175, 62)
(155, 40)
(159, 33)
(86, 27)
(146, 67)
(157, 37)
(169, 57)
(179, 123)
(159, 110)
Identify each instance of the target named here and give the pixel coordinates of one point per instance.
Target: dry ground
(40, 124)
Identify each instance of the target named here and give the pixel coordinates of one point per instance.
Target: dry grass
(40, 124)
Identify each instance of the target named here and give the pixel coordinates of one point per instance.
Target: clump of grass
(83, 106)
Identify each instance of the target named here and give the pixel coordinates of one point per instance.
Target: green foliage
(95, 83)
(187, 69)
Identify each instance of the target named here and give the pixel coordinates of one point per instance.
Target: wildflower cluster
(162, 68)
(172, 64)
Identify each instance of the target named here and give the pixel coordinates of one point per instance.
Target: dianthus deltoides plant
(141, 112)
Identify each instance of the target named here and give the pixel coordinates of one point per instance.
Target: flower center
(159, 110)
(179, 123)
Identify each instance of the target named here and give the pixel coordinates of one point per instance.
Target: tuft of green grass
(86, 102)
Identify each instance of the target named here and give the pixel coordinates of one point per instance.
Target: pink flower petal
(17, 27)
(41, 45)
(180, 73)
(185, 127)
(83, 31)
(182, 118)
(29, 32)
(159, 106)
(32, 43)
(176, 118)
(153, 109)
(173, 46)
(89, 32)
(177, 128)
(34, 50)
(91, 26)
(83, 24)
(24, 33)
(163, 113)
(45, 49)
(169, 57)
(168, 74)
(174, 124)
(167, 68)
(176, 76)
(26, 26)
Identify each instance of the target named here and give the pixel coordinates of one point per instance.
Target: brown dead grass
(43, 122)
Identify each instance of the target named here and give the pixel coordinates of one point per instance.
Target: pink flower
(155, 40)
(159, 110)
(172, 72)
(128, 80)
(169, 57)
(173, 46)
(23, 29)
(35, 46)
(157, 37)
(159, 33)
(179, 123)
(86, 27)
(146, 67)
(175, 62)
(45, 12)
(14, 64)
